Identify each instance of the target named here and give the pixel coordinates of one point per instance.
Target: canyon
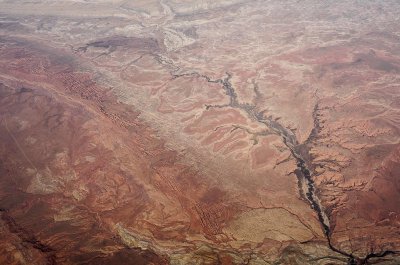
(199, 132)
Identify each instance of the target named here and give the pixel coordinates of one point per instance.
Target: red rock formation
(170, 132)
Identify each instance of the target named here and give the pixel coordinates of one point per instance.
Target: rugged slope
(237, 132)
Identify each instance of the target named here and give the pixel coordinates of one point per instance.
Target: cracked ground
(199, 132)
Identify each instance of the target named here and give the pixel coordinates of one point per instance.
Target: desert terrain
(199, 132)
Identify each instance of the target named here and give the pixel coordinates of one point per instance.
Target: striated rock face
(199, 132)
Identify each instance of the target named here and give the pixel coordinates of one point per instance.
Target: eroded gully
(304, 175)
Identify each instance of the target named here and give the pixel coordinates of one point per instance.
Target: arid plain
(199, 132)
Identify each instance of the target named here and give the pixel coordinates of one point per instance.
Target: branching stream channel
(303, 173)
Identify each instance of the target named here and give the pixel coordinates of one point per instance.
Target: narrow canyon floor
(199, 132)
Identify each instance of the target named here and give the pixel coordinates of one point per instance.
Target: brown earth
(211, 132)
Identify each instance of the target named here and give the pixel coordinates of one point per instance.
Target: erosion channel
(299, 152)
